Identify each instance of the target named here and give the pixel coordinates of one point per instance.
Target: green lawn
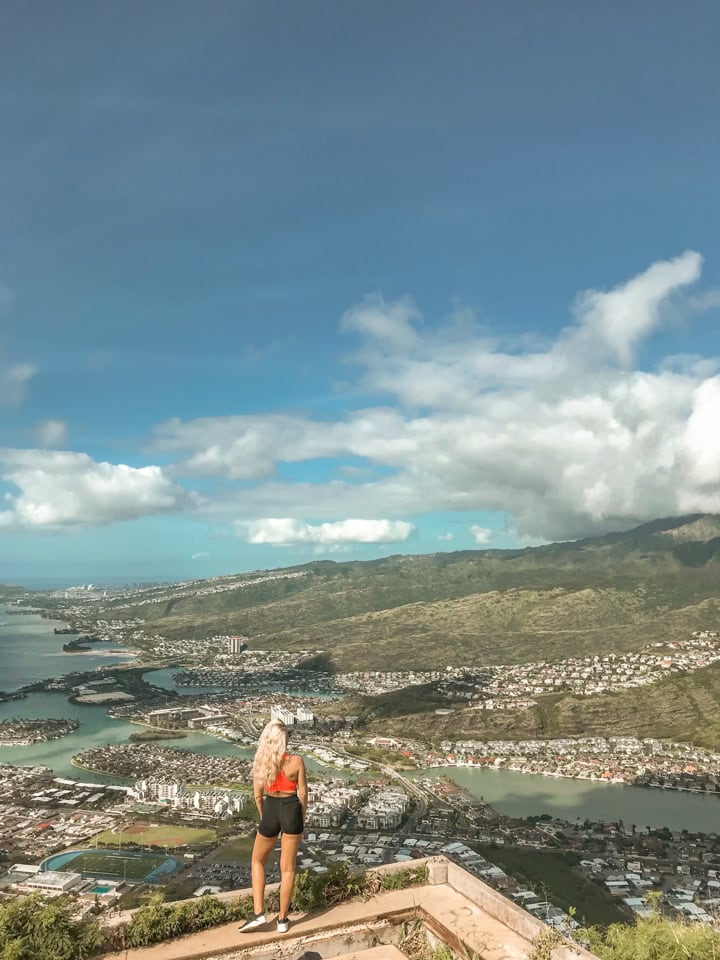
(122, 867)
(237, 849)
(168, 835)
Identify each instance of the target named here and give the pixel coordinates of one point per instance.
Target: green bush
(39, 929)
(402, 879)
(655, 938)
(158, 921)
(314, 891)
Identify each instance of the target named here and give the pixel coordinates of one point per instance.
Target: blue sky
(282, 281)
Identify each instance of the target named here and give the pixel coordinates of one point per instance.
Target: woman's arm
(302, 787)
(259, 792)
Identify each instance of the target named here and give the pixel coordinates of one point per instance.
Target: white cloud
(622, 317)
(52, 434)
(481, 535)
(384, 323)
(564, 435)
(70, 489)
(14, 378)
(446, 537)
(284, 531)
(701, 447)
(199, 556)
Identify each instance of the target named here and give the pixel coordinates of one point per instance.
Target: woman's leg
(288, 863)
(261, 851)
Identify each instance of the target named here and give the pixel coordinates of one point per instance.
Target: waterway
(31, 651)
(164, 678)
(96, 729)
(511, 793)
(524, 794)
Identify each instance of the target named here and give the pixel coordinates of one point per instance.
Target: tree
(40, 929)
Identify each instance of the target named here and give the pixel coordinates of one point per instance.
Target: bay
(528, 794)
(31, 651)
(96, 729)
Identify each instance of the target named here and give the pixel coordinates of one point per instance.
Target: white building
(236, 645)
(280, 713)
(53, 882)
(218, 803)
(161, 791)
(384, 811)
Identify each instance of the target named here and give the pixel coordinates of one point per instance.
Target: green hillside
(616, 592)
(682, 707)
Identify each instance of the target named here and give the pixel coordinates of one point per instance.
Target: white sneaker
(257, 921)
(283, 925)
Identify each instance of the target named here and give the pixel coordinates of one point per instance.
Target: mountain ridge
(613, 592)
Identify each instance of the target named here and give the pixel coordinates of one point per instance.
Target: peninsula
(20, 732)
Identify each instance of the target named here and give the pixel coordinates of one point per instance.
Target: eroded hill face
(612, 593)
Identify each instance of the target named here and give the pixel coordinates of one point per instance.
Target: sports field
(113, 865)
(152, 835)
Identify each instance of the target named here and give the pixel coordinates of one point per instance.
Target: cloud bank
(569, 438)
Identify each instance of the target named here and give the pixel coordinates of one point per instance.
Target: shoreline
(99, 773)
(39, 686)
(38, 731)
(22, 693)
(596, 781)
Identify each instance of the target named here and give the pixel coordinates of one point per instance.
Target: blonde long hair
(270, 752)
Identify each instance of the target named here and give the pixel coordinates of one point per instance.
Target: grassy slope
(550, 872)
(683, 707)
(608, 593)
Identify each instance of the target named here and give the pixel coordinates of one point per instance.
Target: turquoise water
(30, 651)
(96, 729)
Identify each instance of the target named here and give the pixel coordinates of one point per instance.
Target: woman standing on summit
(280, 789)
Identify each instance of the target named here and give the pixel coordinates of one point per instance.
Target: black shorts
(280, 814)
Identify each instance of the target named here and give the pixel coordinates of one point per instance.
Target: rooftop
(452, 908)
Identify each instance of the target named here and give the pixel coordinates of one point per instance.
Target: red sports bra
(282, 783)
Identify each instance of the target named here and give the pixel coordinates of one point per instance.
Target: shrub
(655, 938)
(313, 891)
(40, 929)
(401, 879)
(158, 921)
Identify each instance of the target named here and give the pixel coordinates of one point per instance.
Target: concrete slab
(462, 911)
(375, 953)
